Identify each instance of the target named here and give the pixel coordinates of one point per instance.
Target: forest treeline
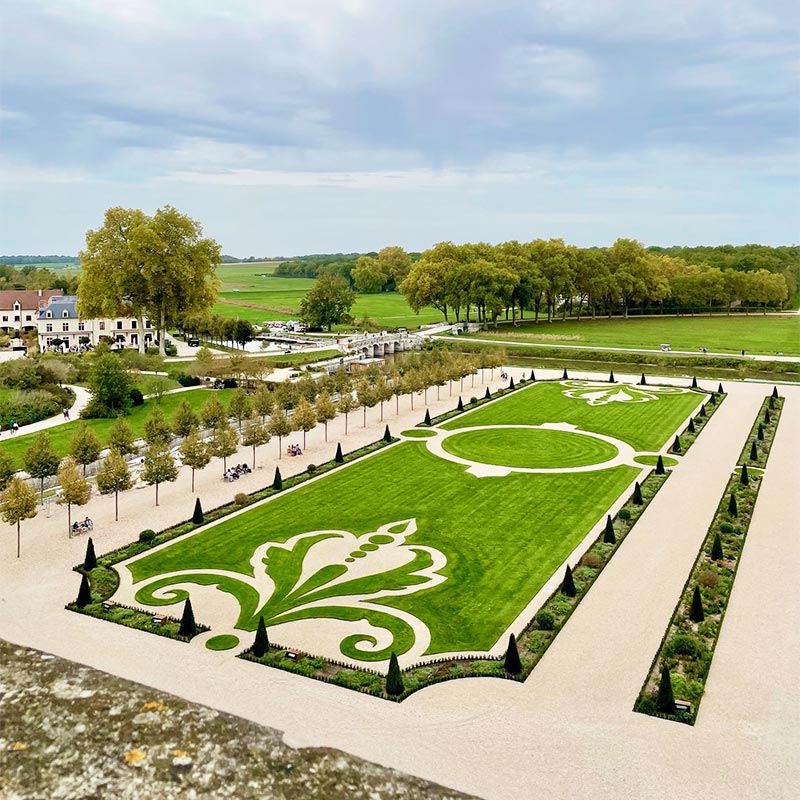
(549, 277)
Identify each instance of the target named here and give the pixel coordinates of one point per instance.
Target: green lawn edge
(679, 624)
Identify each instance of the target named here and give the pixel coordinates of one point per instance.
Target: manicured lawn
(502, 538)
(531, 449)
(405, 518)
(61, 434)
(646, 426)
(754, 333)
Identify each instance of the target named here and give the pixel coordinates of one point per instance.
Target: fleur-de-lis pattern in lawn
(333, 574)
(601, 393)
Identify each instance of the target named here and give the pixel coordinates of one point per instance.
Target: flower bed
(690, 639)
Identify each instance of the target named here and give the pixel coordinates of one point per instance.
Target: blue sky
(340, 125)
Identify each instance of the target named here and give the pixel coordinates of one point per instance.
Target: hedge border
(645, 699)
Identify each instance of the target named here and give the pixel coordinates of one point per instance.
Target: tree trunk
(156, 492)
(116, 500)
(69, 519)
(254, 454)
(17, 538)
(192, 480)
(140, 338)
(162, 330)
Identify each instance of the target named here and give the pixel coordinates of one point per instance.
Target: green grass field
(473, 551)
(755, 334)
(278, 298)
(60, 435)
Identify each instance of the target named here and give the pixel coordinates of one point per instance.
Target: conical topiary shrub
(90, 559)
(533, 375)
(760, 432)
(394, 680)
(511, 384)
(277, 481)
(427, 420)
(84, 593)
(197, 516)
(691, 426)
(744, 478)
(733, 509)
(712, 399)
(511, 663)
(643, 380)
(696, 613)
(660, 466)
(460, 406)
(694, 383)
(775, 392)
(720, 390)
(637, 495)
(565, 377)
(188, 626)
(771, 403)
(767, 417)
(387, 436)
(701, 411)
(753, 451)
(487, 394)
(568, 587)
(716, 549)
(611, 378)
(676, 445)
(261, 642)
(609, 537)
(666, 700)
(339, 458)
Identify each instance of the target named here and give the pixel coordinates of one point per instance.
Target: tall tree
(8, 468)
(304, 418)
(346, 405)
(121, 438)
(240, 406)
(18, 503)
(213, 412)
(328, 302)
(40, 460)
(156, 428)
(159, 467)
(279, 426)
(256, 434)
(263, 401)
(224, 442)
(110, 385)
(114, 476)
(195, 453)
(75, 490)
(84, 446)
(185, 420)
(325, 410)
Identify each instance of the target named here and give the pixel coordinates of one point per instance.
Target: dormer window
(49, 315)
(65, 314)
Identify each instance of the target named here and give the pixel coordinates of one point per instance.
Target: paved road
(82, 396)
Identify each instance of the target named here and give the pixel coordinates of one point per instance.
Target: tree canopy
(328, 302)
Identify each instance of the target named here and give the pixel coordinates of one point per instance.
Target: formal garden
(425, 550)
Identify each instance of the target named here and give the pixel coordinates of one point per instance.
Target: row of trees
(548, 276)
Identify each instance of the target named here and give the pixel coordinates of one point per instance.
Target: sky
(305, 126)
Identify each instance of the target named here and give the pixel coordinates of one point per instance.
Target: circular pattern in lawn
(418, 433)
(651, 461)
(223, 642)
(529, 448)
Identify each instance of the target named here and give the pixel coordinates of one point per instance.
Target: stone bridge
(376, 345)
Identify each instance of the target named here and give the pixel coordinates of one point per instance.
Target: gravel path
(569, 729)
(82, 397)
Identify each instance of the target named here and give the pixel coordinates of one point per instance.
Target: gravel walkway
(569, 729)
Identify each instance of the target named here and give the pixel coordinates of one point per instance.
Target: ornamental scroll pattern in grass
(332, 574)
(601, 393)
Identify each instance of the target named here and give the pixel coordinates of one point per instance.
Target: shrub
(643, 381)
(90, 559)
(683, 644)
(611, 378)
(188, 380)
(766, 416)
(565, 376)
(277, 481)
(568, 587)
(732, 507)
(720, 390)
(591, 560)
(708, 578)
(261, 643)
(753, 451)
(339, 458)
(760, 432)
(394, 680)
(511, 663)
(774, 393)
(696, 613)
(624, 513)
(716, 548)
(487, 394)
(188, 625)
(473, 400)
(609, 537)
(240, 499)
(690, 427)
(660, 467)
(197, 516)
(147, 536)
(387, 436)
(744, 478)
(460, 406)
(676, 445)
(511, 384)
(694, 383)
(666, 700)
(726, 527)
(137, 398)
(427, 420)
(545, 621)
(84, 593)
(637, 495)
(311, 469)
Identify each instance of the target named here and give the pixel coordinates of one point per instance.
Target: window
(147, 323)
(81, 326)
(65, 326)
(102, 325)
(49, 327)
(133, 324)
(119, 324)
(16, 306)
(27, 317)
(49, 315)
(65, 314)
(5, 318)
